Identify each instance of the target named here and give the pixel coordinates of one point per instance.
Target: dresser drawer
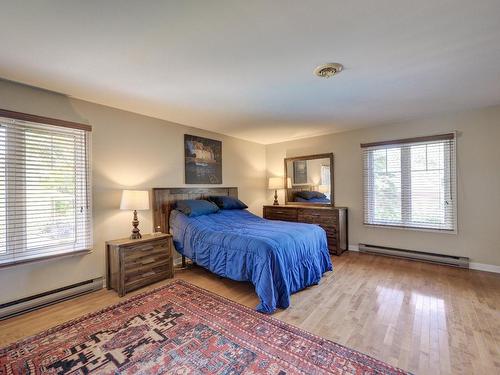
(321, 217)
(285, 214)
(331, 230)
(332, 219)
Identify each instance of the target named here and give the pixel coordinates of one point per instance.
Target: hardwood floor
(424, 318)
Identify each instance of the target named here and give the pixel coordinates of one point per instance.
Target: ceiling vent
(328, 70)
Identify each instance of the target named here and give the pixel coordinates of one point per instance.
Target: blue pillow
(310, 194)
(227, 203)
(196, 207)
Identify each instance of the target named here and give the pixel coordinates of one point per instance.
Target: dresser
(132, 264)
(332, 219)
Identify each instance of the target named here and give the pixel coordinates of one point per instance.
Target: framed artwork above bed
(202, 160)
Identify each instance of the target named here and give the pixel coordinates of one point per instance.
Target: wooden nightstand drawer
(132, 264)
(146, 253)
(146, 265)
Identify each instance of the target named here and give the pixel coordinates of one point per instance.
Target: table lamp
(135, 200)
(275, 183)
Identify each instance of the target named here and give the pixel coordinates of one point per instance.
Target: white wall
(128, 151)
(478, 158)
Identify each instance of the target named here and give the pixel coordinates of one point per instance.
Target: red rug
(182, 329)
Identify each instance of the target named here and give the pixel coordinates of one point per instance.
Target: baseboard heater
(449, 260)
(37, 301)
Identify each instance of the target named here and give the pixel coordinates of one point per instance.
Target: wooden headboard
(164, 200)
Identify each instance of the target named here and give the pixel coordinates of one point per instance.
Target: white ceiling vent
(328, 70)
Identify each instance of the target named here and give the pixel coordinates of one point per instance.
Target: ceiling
(244, 68)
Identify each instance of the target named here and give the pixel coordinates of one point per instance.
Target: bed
(278, 258)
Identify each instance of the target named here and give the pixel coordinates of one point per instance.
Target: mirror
(309, 180)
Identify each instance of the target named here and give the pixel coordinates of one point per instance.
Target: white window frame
(406, 202)
(15, 192)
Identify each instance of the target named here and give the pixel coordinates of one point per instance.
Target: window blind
(45, 191)
(411, 183)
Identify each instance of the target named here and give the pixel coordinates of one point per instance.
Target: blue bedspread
(279, 258)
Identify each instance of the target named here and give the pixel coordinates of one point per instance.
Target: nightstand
(132, 264)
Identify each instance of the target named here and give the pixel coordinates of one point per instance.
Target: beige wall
(134, 151)
(478, 157)
(128, 151)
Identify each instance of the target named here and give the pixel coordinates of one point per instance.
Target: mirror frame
(332, 178)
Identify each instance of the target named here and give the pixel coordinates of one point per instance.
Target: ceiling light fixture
(328, 70)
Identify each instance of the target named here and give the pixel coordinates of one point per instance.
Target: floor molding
(353, 248)
(484, 267)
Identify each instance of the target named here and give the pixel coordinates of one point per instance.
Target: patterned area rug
(182, 329)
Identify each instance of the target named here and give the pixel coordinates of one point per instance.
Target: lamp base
(136, 233)
(276, 203)
(135, 236)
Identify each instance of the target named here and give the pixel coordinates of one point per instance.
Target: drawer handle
(144, 262)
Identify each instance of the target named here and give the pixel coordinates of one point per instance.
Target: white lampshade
(324, 188)
(135, 200)
(275, 183)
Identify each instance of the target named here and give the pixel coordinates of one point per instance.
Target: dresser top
(145, 238)
(310, 206)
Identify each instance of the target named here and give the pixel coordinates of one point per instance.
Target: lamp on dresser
(275, 183)
(135, 200)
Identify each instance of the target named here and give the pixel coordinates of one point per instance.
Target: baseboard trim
(472, 265)
(484, 267)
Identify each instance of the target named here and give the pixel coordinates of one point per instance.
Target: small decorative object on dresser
(131, 264)
(332, 219)
(135, 200)
(275, 183)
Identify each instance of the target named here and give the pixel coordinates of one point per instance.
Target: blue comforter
(312, 200)
(279, 258)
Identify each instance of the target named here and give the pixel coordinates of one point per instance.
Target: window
(325, 175)
(325, 178)
(45, 207)
(411, 183)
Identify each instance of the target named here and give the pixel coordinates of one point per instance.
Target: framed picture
(202, 160)
(300, 172)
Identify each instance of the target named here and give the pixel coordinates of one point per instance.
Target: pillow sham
(310, 194)
(196, 207)
(227, 203)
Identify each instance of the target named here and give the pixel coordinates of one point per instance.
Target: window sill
(414, 229)
(44, 258)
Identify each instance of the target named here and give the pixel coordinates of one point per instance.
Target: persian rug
(182, 329)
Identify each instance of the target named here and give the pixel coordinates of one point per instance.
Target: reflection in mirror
(309, 179)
